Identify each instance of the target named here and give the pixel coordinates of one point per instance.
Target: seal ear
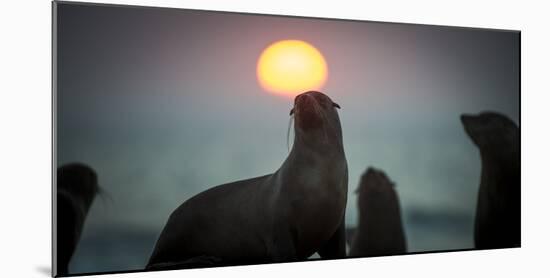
(291, 112)
(336, 105)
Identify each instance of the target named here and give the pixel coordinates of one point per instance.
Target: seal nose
(305, 103)
(304, 99)
(307, 111)
(466, 118)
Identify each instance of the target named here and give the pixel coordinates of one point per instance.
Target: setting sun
(291, 67)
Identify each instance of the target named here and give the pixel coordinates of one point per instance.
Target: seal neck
(308, 162)
(500, 175)
(329, 147)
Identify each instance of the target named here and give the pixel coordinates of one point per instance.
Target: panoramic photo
(192, 139)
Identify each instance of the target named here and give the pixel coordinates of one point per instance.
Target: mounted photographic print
(194, 139)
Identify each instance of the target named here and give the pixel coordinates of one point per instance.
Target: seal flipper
(195, 262)
(335, 247)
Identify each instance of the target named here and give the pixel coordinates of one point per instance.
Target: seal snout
(308, 111)
(305, 101)
(302, 102)
(467, 118)
(468, 122)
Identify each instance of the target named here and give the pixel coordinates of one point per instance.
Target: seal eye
(336, 105)
(291, 111)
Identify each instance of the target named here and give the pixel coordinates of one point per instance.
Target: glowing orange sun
(290, 67)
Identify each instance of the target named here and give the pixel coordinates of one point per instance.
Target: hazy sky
(165, 103)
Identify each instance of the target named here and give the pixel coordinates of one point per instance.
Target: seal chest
(316, 202)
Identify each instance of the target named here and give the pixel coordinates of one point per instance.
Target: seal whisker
(290, 121)
(105, 196)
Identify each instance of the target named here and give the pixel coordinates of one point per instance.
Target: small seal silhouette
(380, 229)
(498, 214)
(76, 190)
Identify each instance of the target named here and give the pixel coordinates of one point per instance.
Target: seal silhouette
(285, 216)
(76, 190)
(498, 213)
(380, 229)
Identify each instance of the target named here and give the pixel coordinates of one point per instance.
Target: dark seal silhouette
(498, 215)
(76, 189)
(380, 229)
(285, 216)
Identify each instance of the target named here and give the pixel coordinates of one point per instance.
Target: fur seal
(498, 214)
(76, 189)
(380, 230)
(285, 216)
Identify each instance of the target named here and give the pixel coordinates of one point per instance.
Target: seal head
(316, 119)
(493, 133)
